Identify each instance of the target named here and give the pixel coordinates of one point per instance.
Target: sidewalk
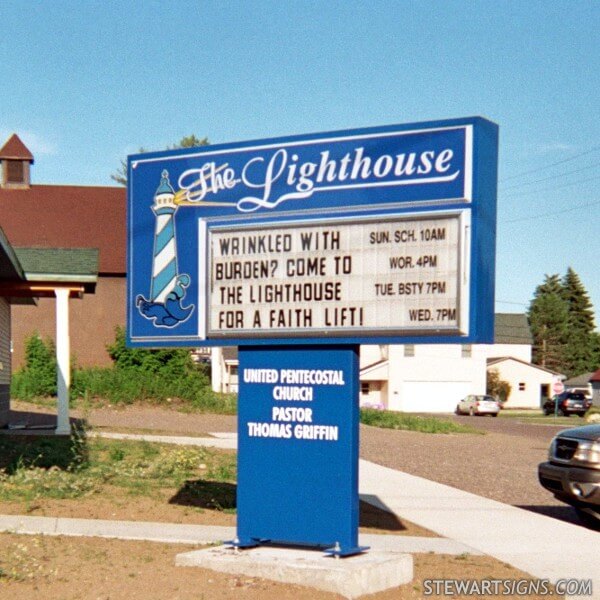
(199, 534)
(541, 546)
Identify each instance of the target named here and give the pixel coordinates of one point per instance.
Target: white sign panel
(391, 275)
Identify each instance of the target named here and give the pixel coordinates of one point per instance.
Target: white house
(529, 383)
(224, 369)
(420, 378)
(434, 377)
(424, 377)
(11, 274)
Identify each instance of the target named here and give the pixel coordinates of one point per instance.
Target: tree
(561, 318)
(596, 350)
(188, 141)
(497, 387)
(581, 312)
(548, 318)
(580, 349)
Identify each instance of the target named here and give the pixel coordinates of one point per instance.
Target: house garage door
(438, 396)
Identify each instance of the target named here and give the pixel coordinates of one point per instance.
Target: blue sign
(297, 250)
(208, 261)
(298, 447)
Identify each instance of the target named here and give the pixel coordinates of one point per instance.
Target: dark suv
(572, 472)
(566, 404)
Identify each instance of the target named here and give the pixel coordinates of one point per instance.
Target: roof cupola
(15, 160)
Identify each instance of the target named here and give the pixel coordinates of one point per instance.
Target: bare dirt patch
(99, 569)
(114, 505)
(170, 419)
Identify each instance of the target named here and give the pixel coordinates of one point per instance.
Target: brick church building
(61, 234)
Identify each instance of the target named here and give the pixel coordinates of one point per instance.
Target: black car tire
(494, 414)
(589, 520)
(457, 410)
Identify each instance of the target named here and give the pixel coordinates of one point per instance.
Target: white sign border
(463, 278)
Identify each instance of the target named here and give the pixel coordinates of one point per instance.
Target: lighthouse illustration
(168, 287)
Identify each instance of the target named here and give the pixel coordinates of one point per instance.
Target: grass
(212, 402)
(20, 560)
(35, 469)
(406, 422)
(536, 417)
(148, 431)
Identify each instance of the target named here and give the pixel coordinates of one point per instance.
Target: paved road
(500, 465)
(514, 426)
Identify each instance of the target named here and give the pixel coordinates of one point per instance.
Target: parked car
(572, 472)
(478, 405)
(587, 392)
(566, 404)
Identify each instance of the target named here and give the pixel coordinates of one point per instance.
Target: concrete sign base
(350, 577)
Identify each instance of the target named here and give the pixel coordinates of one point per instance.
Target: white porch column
(63, 361)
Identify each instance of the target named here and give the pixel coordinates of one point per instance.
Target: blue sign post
(297, 250)
(298, 424)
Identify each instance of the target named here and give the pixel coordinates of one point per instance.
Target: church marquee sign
(378, 235)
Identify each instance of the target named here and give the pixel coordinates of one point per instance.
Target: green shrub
(38, 376)
(129, 385)
(172, 362)
(137, 375)
(397, 420)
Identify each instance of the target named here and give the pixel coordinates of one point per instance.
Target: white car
(478, 405)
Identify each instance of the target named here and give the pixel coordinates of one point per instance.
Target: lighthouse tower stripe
(164, 266)
(165, 283)
(163, 258)
(164, 271)
(165, 232)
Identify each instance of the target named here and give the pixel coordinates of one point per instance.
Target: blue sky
(85, 83)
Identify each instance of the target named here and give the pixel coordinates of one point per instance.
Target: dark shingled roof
(15, 149)
(230, 353)
(75, 262)
(512, 328)
(582, 379)
(497, 359)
